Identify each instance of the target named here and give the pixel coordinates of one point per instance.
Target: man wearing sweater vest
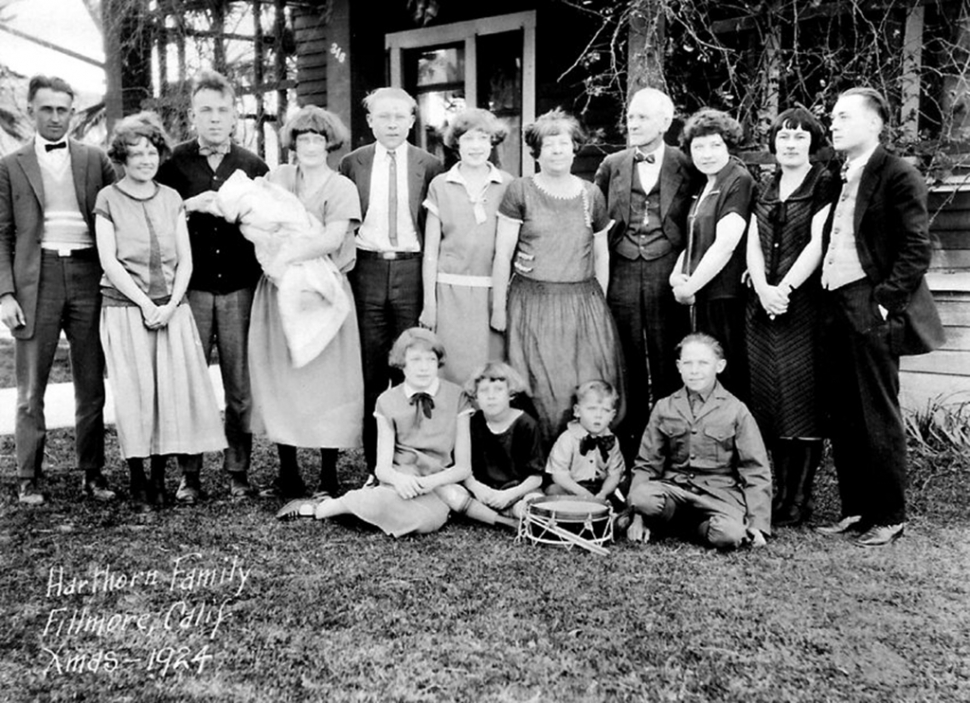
(225, 270)
(49, 281)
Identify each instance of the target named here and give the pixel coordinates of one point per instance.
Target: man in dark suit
(648, 189)
(392, 179)
(876, 307)
(224, 269)
(49, 277)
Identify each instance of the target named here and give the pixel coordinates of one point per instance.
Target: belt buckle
(388, 255)
(65, 253)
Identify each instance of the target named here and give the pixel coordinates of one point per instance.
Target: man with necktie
(224, 267)
(49, 281)
(647, 188)
(392, 179)
(876, 307)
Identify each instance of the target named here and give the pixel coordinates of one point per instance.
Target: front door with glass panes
(486, 63)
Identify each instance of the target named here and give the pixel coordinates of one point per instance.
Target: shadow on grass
(228, 604)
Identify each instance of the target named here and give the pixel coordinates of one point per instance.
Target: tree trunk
(646, 46)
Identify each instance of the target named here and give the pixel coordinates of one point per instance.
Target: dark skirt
(559, 336)
(783, 361)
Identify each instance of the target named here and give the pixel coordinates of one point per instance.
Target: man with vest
(49, 282)
(647, 188)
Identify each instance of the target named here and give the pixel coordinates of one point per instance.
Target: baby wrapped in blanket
(312, 302)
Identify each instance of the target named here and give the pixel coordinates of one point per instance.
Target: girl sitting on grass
(423, 451)
(507, 458)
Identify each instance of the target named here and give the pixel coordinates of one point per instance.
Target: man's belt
(387, 255)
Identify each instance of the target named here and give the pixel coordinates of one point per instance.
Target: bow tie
(639, 157)
(603, 442)
(56, 145)
(207, 150)
(423, 403)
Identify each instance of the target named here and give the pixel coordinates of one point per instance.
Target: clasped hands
(774, 299)
(492, 497)
(155, 317)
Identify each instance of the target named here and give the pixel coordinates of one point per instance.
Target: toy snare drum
(568, 521)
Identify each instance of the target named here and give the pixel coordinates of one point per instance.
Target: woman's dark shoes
(791, 516)
(285, 489)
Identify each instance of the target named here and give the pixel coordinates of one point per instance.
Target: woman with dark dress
(783, 255)
(552, 232)
(707, 276)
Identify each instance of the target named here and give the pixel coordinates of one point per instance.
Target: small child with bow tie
(586, 460)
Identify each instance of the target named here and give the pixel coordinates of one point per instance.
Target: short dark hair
(54, 83)
(554, 122)
(212, 80)
(875, 100)
(795, 118)
(709, 121)
(471, 119)
(314, 120)
(416, 337)
(132, 129)
(701, 338)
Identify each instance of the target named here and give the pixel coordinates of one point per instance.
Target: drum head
(568, 507)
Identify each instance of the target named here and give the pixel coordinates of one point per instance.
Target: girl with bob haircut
(784, 256)
(507, 456)
(164, 400)
(551, 273)
(315, 120)
(707, 276)
(459, 245)
(320, 403)
(423, 451)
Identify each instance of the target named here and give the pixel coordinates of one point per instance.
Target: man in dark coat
(876, 307)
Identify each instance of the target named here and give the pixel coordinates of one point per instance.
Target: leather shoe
(97, 488)
(29, 493)
(239, 487)
(190, 490)
(850, 523)
(878, 535)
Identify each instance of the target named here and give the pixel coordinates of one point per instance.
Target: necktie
(639, 156)
(58, 145)
(392, 201)
(845, 172)
(696, 403)
(604, 443)
(423, 404)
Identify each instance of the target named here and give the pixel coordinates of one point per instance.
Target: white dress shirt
(372, 234)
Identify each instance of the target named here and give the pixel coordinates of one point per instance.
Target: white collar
(658, 153)
(399, 153)
(454, 174)
(857, 164)
(431, 390)
(40, 144)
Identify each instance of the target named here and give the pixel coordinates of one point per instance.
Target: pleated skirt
(164, 402)
(320, 404)
(559, 336)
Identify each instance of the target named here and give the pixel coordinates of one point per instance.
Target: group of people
(507, 337)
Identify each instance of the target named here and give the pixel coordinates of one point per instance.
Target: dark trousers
(68, 298)
(723, 319)
(861, 376)
(650, 323)
(223, 322)
(388, 299)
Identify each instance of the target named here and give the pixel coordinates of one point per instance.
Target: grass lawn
(224, 603)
